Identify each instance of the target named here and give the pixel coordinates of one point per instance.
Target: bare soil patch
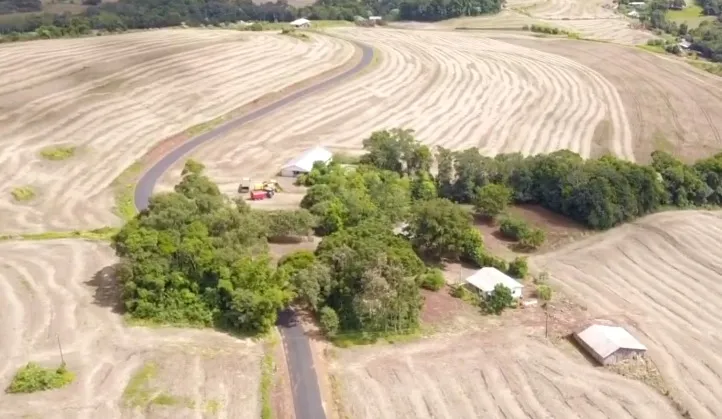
(662, 273)
(670, 105)
(65, 290)
(117, 97)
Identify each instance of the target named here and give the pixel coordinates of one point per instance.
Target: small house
(485, 279)
(637, 4)
(304, 162)
(375, 18)
(609, 344)
(301, 23)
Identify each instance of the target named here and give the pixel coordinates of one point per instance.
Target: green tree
(312, 284)
(499, 299)
(438, 228)
(544, 292)
(423, 187)
(518, 268)
(492, 200)
(533, 240)
(329, 321)
(432, 280)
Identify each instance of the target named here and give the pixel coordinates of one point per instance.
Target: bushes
(499, 299)
(518, 268)
(544, 292)
(432, 280)
(514, 228)
(33, 377)
(329, 321)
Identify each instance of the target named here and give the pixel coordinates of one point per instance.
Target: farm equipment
(258, 195)
(267, 185)
(245, 185)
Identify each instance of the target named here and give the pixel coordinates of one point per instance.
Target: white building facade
(304, 162)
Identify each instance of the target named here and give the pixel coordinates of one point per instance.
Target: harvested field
(499, 374)
(669, 104)
(455, 89)
(115, 97)
(663, 274)
(64, 290)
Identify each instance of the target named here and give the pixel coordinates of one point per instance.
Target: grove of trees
(141, 14)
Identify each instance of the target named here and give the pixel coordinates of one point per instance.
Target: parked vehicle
(258, 195)
(245, 185)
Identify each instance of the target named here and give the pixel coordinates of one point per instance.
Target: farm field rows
(492, 374)
(62, 290)
(115, 97)
(669, 105)
(455, 89)
(663, 274)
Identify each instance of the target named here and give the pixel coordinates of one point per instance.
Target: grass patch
(267, 367)
(692, 15)
(204, 127)
(658, 49)
(57, 153)
(212, 407)
(347, 340)
(125, 192)
(714, 68)
(23, 193)
(32, 377)
(103, 233)
(138, 392)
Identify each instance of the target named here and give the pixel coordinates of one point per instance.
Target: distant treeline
(142, 14)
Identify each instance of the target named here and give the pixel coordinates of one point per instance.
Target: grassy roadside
(102, 234)
(268, 367)
(124, 186)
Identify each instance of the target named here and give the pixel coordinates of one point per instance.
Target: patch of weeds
(57, 153)
(124, 186)
(204, 127)
(336, 394)
(32, 377)
(713, 68)
(267, 368)
(138, 392)
(103, 233)
(349, 339)
(23, 193)
(212, 406)
(293, 33)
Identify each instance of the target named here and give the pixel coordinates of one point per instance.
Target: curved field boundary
(304, 383)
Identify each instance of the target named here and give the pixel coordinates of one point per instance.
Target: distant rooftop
(605, 340)
(487, 278)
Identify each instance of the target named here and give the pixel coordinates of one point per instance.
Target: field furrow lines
(666, 268)
(119, 107)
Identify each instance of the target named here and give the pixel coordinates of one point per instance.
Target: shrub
(544, 292)
(533, 239)
(33, 377)
(518, 268)
(256, 27)
(329, 321)
(514, 228)
(500, 299)
(525, 28)
(432, 280)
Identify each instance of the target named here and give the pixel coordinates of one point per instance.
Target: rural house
(485, 279)
(304, 162)
(301, 23)
(609, 344)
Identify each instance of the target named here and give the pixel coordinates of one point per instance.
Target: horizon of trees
(142, 14)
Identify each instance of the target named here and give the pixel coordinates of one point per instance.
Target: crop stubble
(115, 97)
(664, 273)
(492, 374)
(59, 290)
(455, 89)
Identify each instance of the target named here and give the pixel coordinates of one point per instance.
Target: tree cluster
(194, 257)
(599, 193)
(707, 40)
(20, 6)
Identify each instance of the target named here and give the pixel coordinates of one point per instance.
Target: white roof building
(301, 23)
(485, 279)
(609, 344)
(304, 162)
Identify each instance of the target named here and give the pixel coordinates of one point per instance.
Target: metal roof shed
(609, 344)
(304, 162)
(485, 279)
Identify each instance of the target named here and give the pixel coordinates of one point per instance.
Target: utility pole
(546, 320)
(62, 358)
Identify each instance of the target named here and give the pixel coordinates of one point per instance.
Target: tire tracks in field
(304, 382)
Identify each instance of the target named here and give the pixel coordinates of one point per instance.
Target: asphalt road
(304, 383)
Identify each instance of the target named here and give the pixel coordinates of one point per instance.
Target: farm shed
(301, 23)
(304, 162)
(485, 279)
(609, 344)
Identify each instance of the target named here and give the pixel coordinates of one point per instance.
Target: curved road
(304, 383)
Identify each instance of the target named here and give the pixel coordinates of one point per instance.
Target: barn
(485, 279)
(609, 344)
(304, 162)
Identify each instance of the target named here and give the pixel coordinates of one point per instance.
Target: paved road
(304, 383)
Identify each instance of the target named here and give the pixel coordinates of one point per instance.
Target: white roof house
(301, 23)
(485, 279)
(609, 344)
(304, 162)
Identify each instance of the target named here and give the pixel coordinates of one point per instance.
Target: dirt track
(115, 97)
(662, 274)
(59, 289)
